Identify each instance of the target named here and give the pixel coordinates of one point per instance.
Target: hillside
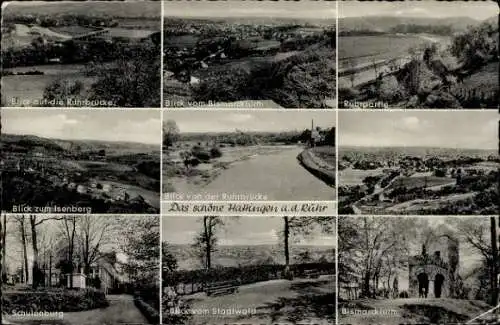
(258, 20)
(31, 141)
(386, 23)
(419, 151)
(248, 254)
(116, 9)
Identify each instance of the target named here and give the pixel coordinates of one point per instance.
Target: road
(378, 191)
(121, 310)
(278, 175)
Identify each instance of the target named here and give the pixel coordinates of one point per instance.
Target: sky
(479, 10)
(306, 9)
(255, 121)
(443, 129)
(142, 126)
(238, 231)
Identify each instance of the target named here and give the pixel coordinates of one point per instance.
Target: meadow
(352, 177)
(30, 88)
(72, 30)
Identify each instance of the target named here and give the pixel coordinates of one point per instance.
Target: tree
(69, 233)
(2, 230)
(4, 265)
(132, 81)
(297, 226)
(62, 91)
(367, 245)
(22, 233)
(351, 65)
(495, 264)
(141, 244)
(170, 133)
(94, 232)
(34, 222)
(330, 137)
(478, 235)
(206, 240)
(169, 262)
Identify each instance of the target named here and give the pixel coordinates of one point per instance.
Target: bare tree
(69, 232)
(373, 241)
(207, 239)
(22, 231)
(4, 250)
(482, 237)
(495, 266)
(93, 234)
(35, 221)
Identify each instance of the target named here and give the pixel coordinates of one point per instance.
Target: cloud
(410, 124)
(63, 119)
(239, 118)
(416, 11)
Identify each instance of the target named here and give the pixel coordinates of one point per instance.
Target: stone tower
(434, 272)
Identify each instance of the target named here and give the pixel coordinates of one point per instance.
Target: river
(279, 176)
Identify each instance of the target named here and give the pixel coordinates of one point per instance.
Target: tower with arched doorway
(433, 273)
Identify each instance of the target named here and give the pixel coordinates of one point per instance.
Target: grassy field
(140, 23)
(103, 166)
(187, 41)
(413, 182)
(353, 177)
(72, 30)
(30, 88)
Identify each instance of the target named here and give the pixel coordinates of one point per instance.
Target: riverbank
(272, 174)
(317, 166)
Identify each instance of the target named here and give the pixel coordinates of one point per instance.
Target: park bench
(313, 274)
(219, 288)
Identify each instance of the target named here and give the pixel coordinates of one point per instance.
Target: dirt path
(121, 310)
(268, 301)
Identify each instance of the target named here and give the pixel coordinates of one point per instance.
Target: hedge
(54, 300)
(151, 314)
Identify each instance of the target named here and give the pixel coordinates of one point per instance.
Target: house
(109, 279)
